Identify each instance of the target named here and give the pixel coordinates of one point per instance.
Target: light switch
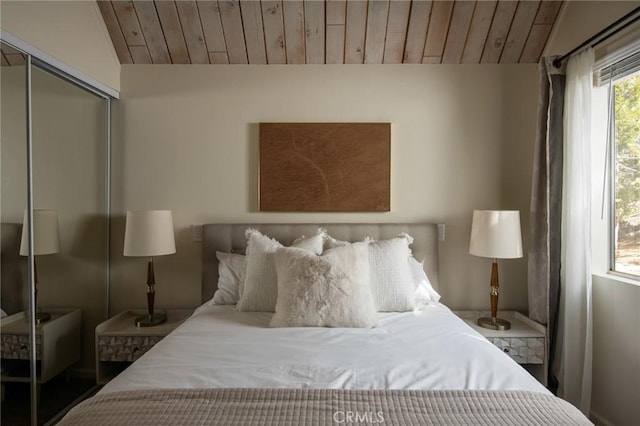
(196, 233)
(441, 229)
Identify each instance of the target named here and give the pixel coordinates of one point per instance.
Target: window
(623, 79)
(626, 175)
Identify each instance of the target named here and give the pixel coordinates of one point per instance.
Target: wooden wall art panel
(325, 167)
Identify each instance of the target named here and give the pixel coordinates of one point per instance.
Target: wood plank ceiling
(10, 56)
(326, 31)
(329, 32)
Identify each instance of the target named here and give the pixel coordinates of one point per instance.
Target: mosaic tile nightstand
(57, 345)
(119, 342)
(524, 342)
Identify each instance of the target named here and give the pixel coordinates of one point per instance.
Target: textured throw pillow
(231, 269)
(331, 290)
(424, 293)
(259, 289)
(331, 242)
(392, 283)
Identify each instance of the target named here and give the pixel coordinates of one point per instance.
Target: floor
(56, 395)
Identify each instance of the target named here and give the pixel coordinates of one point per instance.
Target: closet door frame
(42, 61)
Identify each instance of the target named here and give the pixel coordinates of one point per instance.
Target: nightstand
(525, 342)
(58, 343)
(119, 342)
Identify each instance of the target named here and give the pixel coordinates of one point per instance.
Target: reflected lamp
(46, 240)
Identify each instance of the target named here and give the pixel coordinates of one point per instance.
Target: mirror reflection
(69, 148)
(14, 302)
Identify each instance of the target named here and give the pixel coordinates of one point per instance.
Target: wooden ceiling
(10, 56)
(328, 32)
(324, 31)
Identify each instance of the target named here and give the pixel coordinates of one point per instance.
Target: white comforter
(221, 347)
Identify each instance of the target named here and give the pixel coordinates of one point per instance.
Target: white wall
(186, 139)
(616, 351)
(13, 140)
(578, 20)
(71, 31)
(13, 186)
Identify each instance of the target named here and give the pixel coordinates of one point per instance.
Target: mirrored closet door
(15, 332)
(61, 129)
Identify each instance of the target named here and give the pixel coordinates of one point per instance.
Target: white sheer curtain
(575, 321)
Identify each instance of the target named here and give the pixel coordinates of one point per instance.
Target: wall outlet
(196, 233)
(441, 229)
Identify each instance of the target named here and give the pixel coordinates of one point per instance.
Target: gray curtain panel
(546, 204)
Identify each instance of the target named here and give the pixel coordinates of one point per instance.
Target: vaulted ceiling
(329, 32)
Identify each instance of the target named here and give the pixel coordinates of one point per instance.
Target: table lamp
(495, 234)
(149, 233)
(46, 240)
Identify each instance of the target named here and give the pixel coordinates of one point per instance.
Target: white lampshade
(149, 233)
(46, 237)
(496, 234)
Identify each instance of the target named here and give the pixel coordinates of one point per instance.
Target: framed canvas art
(325, 167)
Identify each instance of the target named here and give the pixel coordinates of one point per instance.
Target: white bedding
(221, 347)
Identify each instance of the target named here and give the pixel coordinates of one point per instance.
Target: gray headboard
(230, 238)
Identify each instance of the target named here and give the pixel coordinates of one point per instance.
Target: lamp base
(42, 317)
(494, 323)
(150, 320)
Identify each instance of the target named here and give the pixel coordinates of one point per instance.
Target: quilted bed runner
(295, 407)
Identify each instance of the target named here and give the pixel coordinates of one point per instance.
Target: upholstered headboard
(230, 238)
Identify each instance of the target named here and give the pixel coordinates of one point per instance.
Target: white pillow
(425, 293)
(331, 290)
(231, 268)
(259, 289)
(392, 283)
(330, 242)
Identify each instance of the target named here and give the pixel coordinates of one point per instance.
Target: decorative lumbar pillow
(392, 283)
(259, 289)
(231, 268)
(331, 290)
(424, 293)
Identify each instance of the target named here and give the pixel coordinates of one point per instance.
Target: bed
(223, 366)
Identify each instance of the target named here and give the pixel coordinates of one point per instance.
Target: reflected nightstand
(58, 343)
